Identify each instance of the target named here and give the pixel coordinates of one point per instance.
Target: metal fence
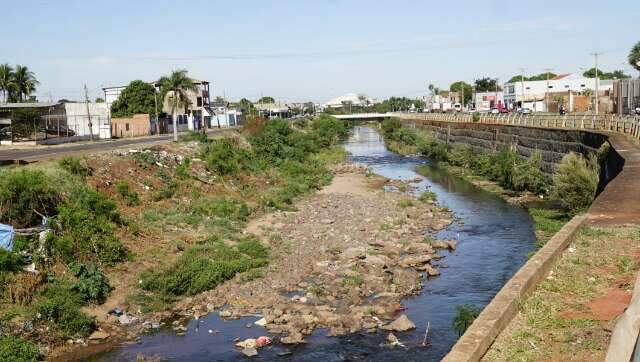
(629, 125)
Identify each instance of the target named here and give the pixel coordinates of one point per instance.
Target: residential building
(272, 110)
(535, 94)
(625, 96)
(485, 101)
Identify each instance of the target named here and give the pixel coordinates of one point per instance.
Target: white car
(494, 111)
(525, 110)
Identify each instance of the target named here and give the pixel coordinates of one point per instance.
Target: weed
(575, 182)
(91, 283)
(405, 203)
(182, 170)
(75, 166)
(625, 264)
(25, 195)
(131, 197)
(353, 281)
(316, 289)
(465, 315)
(10, 261)
(223, 157)
(60, 305)
(194, 136)
(427, 196)
(16, 349)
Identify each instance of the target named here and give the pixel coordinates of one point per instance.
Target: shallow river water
(494, 239)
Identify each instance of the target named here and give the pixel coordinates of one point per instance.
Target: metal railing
(629, 125)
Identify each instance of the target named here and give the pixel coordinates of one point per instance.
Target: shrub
(16, 349)
(404, 135)
(182, 170)
(389, 126)
(271, 141)
(131, 197)
(26, 194)
(221, 207)
(60, 305)
(575, 182)
(85, 229)
(465, 315)
(432, 148)
(10, 261)
(503, 165)
(91, 283)
(75, 166)
(329, 130)
(205, 266)
(476, 117)
(426, 196)
(461, 155)
(194, 136)
(528, 175)
(223, 157)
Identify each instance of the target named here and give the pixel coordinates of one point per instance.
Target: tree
(99, 100)
(543, 76)
(616, 74)
(433, 89)
(174, 88)
(268, 100)
(246, 106)
(486, 84)
(6, 78)
(634, 56)
(460, 86)
(137, 97)
(517, 78)
(24, 82)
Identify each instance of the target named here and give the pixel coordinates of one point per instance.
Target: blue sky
(301, 50)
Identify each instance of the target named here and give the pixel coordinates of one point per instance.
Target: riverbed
(493, 237)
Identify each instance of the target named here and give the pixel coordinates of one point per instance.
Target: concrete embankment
(616, 204)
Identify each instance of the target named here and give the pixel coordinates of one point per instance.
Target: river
(494, 239)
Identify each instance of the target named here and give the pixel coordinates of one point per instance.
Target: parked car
(494, 111)
(525, 110)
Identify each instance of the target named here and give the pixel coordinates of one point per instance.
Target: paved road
(49, 152)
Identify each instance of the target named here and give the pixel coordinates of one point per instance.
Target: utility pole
(462, 98)
(86, 101)
(595, 55)
(546, 91)
(522, 87)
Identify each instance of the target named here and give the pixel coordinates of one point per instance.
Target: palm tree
(24, 81)
(174, 88)
(634, 56)
(6, 78)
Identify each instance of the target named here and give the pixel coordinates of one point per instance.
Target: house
(272, 110)
(136, 126)
(535, 94)
(485, 101)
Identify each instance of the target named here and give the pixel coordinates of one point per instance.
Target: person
(562, 110)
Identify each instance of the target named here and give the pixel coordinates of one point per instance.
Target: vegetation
(174, 88)
(91, 283)
(460, 86)
(616, 74)
(267, 100)
(465, 315)
(24, 122)
(487, 84)
(16, 349)
(131, 197)
(17, 83)
(75, 166)
(541, 76)
(137, 97)
(26, 195)
(576, 182)
(60, 306)
(634, 57)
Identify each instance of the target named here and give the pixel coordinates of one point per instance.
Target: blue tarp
(6, 237)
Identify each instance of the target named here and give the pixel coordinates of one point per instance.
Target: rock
(248, 343)
(293, 338)
(400, 325)
(225, 313)
(431, 271)
(261, 322)
(391, 338)
(376, 260)
(352, 253)
(126, 320)
(250, 352)
(415, 260)
(99, 335)
(326, 221)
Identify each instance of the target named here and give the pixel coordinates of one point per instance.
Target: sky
(310, 50)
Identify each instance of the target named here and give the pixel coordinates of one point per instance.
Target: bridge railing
(629, 125)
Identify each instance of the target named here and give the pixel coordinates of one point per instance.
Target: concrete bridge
(365, 116)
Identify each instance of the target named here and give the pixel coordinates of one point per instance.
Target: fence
(629, 125)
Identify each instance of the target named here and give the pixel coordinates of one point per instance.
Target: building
(535, 94)
(625, 96)
(79, 115)
(485, 101)
(273, 110)
(136, 126)
(353, 99)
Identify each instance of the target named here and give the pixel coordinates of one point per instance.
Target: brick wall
(136, 126)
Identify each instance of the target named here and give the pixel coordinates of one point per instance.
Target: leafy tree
(174, 88)
(634, 56)
(516, 78)
(543, 76)
(468, 90)
(266, 100)
(137, 97)
(24, 83)
(6, 80)
(616, 74)
(99, 100)
(246, 106)
(486, 84)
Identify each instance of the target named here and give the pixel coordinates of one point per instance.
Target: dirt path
(342, 261)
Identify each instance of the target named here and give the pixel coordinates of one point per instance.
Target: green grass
(16, 349)
(405, 203)
(427, 196)
(547, 222)
(353, 281)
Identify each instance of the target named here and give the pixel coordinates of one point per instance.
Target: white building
(485, 101)
(532, 94)
(352, 99)
(78, 117)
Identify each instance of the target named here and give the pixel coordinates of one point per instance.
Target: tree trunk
(175, 123)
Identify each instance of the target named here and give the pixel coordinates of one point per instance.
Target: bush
(272, 141)
(194, 136)
(389, 126)
(131, 197)
(221, 207)
(404, 135)
(205, 266)
(91, 283)
(182, 170)
(329, 130)
(461, 155)
(432, 148)
(25, 194)
(60, 305)
(575, 182)
(10, 261)
(528, 175)
(16, 349)
(223, 157)
(75, 166)
(503, 166)
(476, 117)
(465, 315)
(85, 229)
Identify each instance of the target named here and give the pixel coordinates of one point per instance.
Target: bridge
(365, 116)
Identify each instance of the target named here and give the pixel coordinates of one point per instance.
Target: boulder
(99, 335)
(293, 338)
(249, 343)
(250, 352)
(403, 323)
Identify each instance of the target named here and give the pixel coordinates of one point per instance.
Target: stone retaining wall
(553, 144)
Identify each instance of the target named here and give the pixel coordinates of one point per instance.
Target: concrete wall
(78, 120)
(553, 144)
(136, 126)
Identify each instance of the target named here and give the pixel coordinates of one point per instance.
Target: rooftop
(29, 105)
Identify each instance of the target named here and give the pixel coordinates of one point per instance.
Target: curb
(504, 306)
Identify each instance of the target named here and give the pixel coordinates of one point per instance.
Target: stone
(326, 221)
(415, 260)
(293, 338)
(99, 335)
(391, 338)
(261, 322)
(247, 343)
(225, 313)
(250, 352)
(403, 323)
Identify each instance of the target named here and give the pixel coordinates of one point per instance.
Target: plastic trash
(6, 237)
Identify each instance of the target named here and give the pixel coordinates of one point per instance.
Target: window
(126, 127)
(582, 85)
(199, 101)
(566, 86)
(527, 88)
(550, 87)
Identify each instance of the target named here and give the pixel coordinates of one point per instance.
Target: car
(494, 111)
(525, 110)
(638, 110)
